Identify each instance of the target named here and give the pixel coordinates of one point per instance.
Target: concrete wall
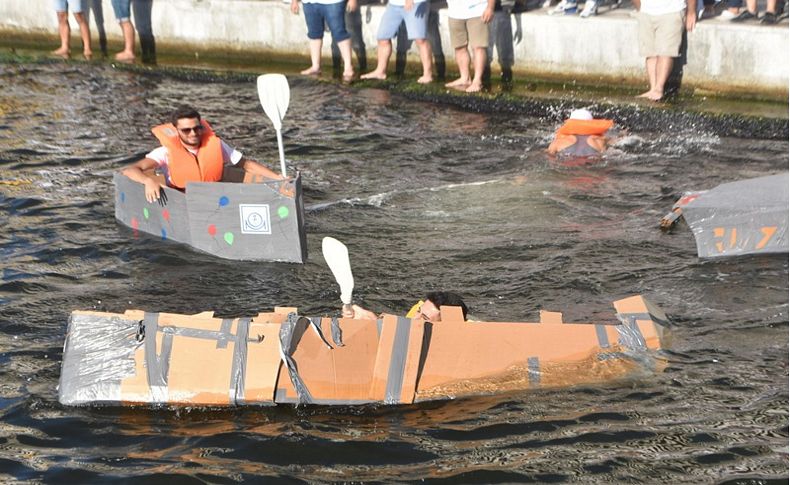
(721, 55)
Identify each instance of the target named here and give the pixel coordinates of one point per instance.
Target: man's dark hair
(183, 112)
(447, 298)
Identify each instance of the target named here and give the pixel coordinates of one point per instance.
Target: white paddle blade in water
(336, 256)
(274, 93)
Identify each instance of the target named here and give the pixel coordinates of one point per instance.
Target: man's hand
(152, 189)
(488, 14)
(691, 19)
(351, 6)
(358, 313)
(295, 7)
(408, 5)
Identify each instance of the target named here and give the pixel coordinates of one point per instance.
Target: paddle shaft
(282, 152)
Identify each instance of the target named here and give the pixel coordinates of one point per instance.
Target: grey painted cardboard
(744, 217)
(241, 221)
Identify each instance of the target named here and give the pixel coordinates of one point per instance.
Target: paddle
(274, 93)
(336, 256)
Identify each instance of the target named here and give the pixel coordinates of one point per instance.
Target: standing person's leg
(417, 27)
(478, 41)
(85, 34)
(460, 40)
(122, 9)
(314, 20)
(647, 49)
(435, 39)
(667, 37)
(335, 15)
(64, 31)
(388, 27)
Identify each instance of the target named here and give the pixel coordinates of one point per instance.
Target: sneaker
(744, 16)
(565, 7)
(590, 8)
(546, 4)
(727, 15)
(768, 19)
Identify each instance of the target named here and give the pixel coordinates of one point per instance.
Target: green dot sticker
(283, 212)
(145, 212)
(229, 238)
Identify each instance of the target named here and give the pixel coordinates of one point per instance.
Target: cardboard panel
(247, 221)
(169, 222)
(263, 363)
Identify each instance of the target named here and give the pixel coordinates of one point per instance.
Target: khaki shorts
(473, 32)
(660, 35)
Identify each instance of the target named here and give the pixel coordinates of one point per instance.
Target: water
(426, 197)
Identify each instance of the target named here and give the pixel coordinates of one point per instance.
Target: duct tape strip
(643, 316)
(400, 349)
(156, 372)
(287, 331)
(379, 325)
(239, 366)
(533, 367)
(629, 334)
(603, 338)
(315, 322)
(224, 332)
(337, 333)
(196, 333)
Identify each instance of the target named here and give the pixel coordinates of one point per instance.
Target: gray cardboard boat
(242, 217)
(736, 218)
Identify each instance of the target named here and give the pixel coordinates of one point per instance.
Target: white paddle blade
(336, 256)
(274, 93)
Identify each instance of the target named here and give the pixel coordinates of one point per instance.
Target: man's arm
(135, 172)
(254, 168)
(488, 13)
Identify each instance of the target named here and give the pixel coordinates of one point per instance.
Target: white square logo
(255, 219)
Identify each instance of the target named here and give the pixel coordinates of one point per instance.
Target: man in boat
(582, 136)
(190, 152)
(428, 309)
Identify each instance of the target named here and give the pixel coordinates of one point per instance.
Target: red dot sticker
(166, 215)
(135, 224)
(212, 229)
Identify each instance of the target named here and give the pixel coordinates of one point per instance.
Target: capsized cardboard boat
(243, 217)
(744, 217)
(281, 357)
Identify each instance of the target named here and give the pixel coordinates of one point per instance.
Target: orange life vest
(585, 127)
(183, 166)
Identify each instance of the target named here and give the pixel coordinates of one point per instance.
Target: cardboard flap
(397, 360)
(550, 317)
(452, 314)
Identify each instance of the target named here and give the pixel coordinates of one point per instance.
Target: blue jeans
(335, 16)
(122, 10)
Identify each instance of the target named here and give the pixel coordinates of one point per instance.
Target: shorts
(122, 10)
(472, 32)
(334, 14)
(74, 6)
(660, 35)
(416, 21)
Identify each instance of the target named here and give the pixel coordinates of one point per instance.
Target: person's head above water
(581, 114)
(186, 119)
(434, 300)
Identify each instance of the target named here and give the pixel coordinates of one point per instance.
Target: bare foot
(425, 79)
(63, 53)
(374, 75)
(124, 57)
(644, 95)
(474, 88)
(652, 95)
(459, 83)
(88, 55)
(311, 71)
(348, 76)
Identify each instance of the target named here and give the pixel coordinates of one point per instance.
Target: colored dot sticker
(135, 223)
(229, 238)
(145, 212)
(283, 212)
(164, 234)
(166, 215)
(212, 229)
(223, 201)
(123, 197)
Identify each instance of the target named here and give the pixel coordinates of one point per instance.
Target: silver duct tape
(603, 338)
(239, 364)
(400, 349)
(287, 344)
(533, 369)
(337, 333)
(629, 335)
(155, 372)
(315, 322)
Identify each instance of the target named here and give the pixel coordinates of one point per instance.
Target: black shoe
(744, 16)
(768, 19)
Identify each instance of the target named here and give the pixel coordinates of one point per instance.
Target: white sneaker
(565, 7)
(590, 8)
(546, 4)
(727, 15)
(559, 9)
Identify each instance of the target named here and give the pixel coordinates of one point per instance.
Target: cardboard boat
(243, 217)
(142, 358)
(744, 217)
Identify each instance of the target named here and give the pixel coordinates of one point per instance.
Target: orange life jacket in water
(184, 166)
(585, 127)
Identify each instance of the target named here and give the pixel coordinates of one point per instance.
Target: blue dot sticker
(223, 201)
(164, 234)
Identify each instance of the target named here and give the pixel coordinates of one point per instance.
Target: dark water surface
(426, 197)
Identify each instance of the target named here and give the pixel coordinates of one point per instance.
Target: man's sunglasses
(196, 129)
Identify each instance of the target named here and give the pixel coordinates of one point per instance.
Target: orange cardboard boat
(146, 358)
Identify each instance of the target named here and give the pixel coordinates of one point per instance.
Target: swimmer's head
(581, 114)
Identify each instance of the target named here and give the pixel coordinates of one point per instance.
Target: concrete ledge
(721, 56)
